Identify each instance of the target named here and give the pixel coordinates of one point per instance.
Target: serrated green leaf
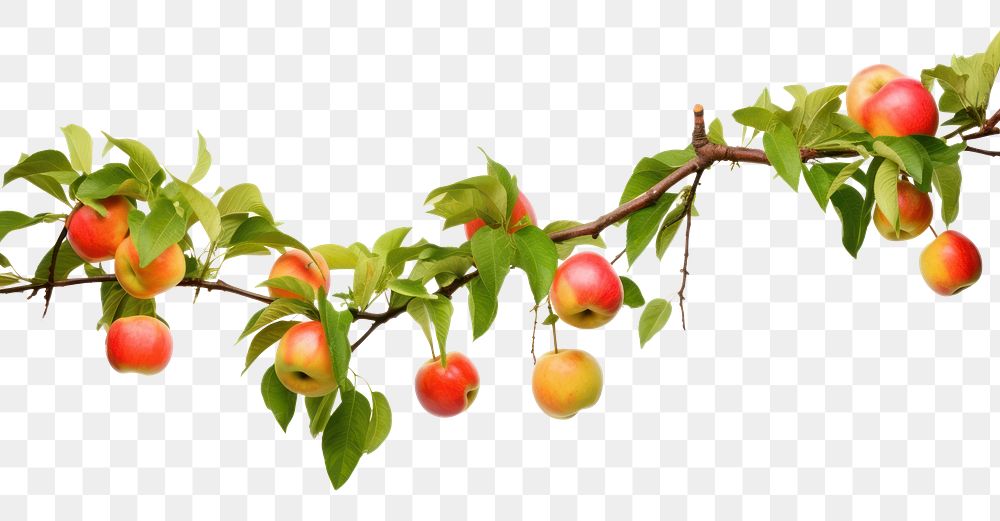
(380, 424)
(319, 409)
(508, 182)
(277, 398)
(202, 164)
(367, 275)
(757, 118)
(81, 147)
(537, 256)
(47, 170)
(345, 437)
(948, 184)
(435, 312)
(458, 203)
(111, 179)
(908, 155)
(886, 193)
(266, 338)
(141, 159)
(390, 240)
(493, 252)
(633, 295)
(244, 198)
(162, 228)
(291, 284)
(654, 316)
(855, 211)
(643, 225)
(258, 230)
(280, 308)
(337, 257)
(483, 306)
(783, 153)
(640, 183)
(843, 175)
(10, 221)
(203, 208)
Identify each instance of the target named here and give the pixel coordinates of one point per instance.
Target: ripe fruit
(887, 103)
(302, 361)
(522, 207)
(163, 273)
(915, 214)
(950, 263)
(447, 391)
(95, 238)
(298, 264)
(566, 381)
(586, 292)
(139, 344)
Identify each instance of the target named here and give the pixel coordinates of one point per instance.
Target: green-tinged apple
(566, 381)
(95, 238)
(586, 292)
(139, 344)
(887, 103)
(950, 263)
(448, 390)
(521, 208)
(163, 273)
(302, 362)
(915, 213)
(298, 264)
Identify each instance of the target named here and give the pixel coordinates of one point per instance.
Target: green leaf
(633, 295)
(280, 308)
(438, 312)
(335, 326)
(783, 153)
(380, 424)
(291, 284)
(908, 155)
(111, 179)
(142, 161)
(46, 170)
(643, 225)
(337, 257)
(551, 319)
(843, 175)
(390, 240)
(162, 228)
(410, 288)
(258, 230)
(458, 203)
(948, 184)
(666, 235)
(10, 221)
(277, 398)
(345, 437)
(483, 306)
(7, 279)
(757, 118)
(674, 159)
(203, 163)
(396, 259)
(886, 194)
(203, 208)
(367, 276)
(81, 147)
(939, 152)
(244, 198)
(715, 133)
(652, 320)
(565, 248)
(855, 212)
(508, 182)
(266, 338)
(537, 256)
(493, 252)
(319, 408)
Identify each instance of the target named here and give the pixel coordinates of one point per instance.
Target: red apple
(447, 391)
(950, 263)
(522, 207)
(302, 362)
(887, 103)
(298, 264)
(95, 238)
(915, 213)
(586, 292)
(139, 344)
(566, 381)
(161, 274)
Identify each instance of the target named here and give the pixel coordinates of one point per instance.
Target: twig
(989, 128)
(687, 246)
(991, 153)
(371, 329)
(52, 268)
(534, 328)
(618, 256)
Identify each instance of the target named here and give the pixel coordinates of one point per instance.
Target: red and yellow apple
(586, 292)
(887, 103)
(950, 263)
(302, 362)
(95, 238)
(447, 390)
(566, 381)
(139, 344)
(522, 207)
(915, 213)
(298, 264)
(163, 273)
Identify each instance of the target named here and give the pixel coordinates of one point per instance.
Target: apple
(887, 103)
(95, 238)
(139, 344)
(950, 263)
(302, 361)
(448, 390)
(566, 381)
(522, 207)
(298, 264)
(163, 273)
(586, 292)
(915, 213)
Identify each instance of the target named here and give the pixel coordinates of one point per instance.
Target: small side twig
(555, 338)
(991, 153)
(52, 269)
(687, 247)
(618, 256)
(534, 328)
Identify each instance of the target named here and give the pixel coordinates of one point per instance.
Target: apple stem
(933, 231)
(618, 256)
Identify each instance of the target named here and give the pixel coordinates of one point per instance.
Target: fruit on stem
(950, 263)
(163, 273)
(522, 207)
(915, 213)
(566, 381)
(448, 390)
(95, 238)
(887, 103)
(302, 362)
(586, 292)
(298, 264)
(139, 344)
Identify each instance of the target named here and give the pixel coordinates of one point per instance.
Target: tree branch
(52, 267)
(687, 246)
(989, 128)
